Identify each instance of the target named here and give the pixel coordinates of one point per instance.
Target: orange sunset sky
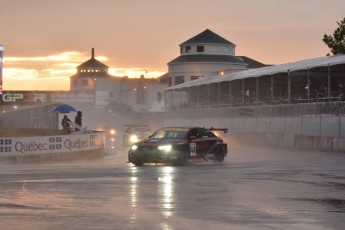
(44, 41)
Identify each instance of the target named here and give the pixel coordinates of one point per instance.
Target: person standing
(77, 120)
(65, 124)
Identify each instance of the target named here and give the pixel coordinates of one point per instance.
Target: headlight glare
(134, 147)
(133, 138)
(166, 148)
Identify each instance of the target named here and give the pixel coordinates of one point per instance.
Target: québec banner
(51, 144)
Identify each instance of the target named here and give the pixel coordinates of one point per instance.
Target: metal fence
(316, 108)
(40, 117)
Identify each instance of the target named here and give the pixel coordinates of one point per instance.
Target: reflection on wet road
(253, 189)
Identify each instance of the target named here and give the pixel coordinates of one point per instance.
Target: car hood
(158, 141)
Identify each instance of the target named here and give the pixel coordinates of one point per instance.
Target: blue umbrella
(64, 108)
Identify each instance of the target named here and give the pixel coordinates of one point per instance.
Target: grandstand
(318, 84)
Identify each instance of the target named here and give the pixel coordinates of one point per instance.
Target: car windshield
(138, 129)
(170, 134)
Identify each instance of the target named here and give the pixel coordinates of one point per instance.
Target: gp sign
(51, 144)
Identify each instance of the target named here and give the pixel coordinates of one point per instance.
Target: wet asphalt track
(254, 188)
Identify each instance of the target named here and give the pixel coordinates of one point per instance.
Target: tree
(336, 42)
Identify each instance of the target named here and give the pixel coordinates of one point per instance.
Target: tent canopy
(269, 70)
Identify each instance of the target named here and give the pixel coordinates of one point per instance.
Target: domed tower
(88, 74)
(203, 55)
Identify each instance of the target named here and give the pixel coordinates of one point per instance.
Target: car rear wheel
(220, 153)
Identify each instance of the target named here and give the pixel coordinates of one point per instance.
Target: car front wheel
(138, 163)
(182, 159)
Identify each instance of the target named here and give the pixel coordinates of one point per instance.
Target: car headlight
(134, 147)
(166, 148)
(133, 138)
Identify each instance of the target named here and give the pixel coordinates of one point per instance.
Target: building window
(188, 49)
(200, 49)
(170, 81)
(179, 80)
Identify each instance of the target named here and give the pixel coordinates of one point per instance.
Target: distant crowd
(299, 95)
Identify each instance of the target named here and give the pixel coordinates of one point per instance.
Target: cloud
(58, 67)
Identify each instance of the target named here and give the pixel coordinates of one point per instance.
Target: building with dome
(202, 57)
(92, 77)
(205, 55)
(88, 73)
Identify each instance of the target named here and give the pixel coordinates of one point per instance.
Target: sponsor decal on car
(192, 149)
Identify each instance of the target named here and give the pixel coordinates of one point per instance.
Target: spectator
(78, 120)
(65, 124)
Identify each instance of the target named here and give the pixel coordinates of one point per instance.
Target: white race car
(135, 133)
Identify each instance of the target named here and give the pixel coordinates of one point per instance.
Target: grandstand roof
(269, 70)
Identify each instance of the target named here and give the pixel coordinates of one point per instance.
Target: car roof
(182, 127)
(137, 125)
(211, 129)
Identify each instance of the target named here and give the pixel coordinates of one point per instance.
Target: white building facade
(204, 55)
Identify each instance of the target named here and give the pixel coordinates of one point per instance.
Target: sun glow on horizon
(135, 72)
(17, 71)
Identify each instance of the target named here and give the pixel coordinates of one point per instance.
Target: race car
(178, 145)
(135, 133)
(110, 135)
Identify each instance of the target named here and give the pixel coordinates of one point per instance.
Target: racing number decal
(192, 149)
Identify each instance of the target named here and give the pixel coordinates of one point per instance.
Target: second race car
(178, 145)
(135, 133)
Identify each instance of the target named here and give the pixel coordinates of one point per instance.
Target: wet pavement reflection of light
(166, 189)
(252, 189)
(133, 197)
(133, 187)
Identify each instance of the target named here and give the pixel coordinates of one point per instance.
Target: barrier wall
(306, 132)
(45, 145)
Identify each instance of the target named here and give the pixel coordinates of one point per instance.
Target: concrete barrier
(339, 145)
(318, 133)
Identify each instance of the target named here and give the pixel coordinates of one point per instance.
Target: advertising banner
(51, 144)
(38, 97)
